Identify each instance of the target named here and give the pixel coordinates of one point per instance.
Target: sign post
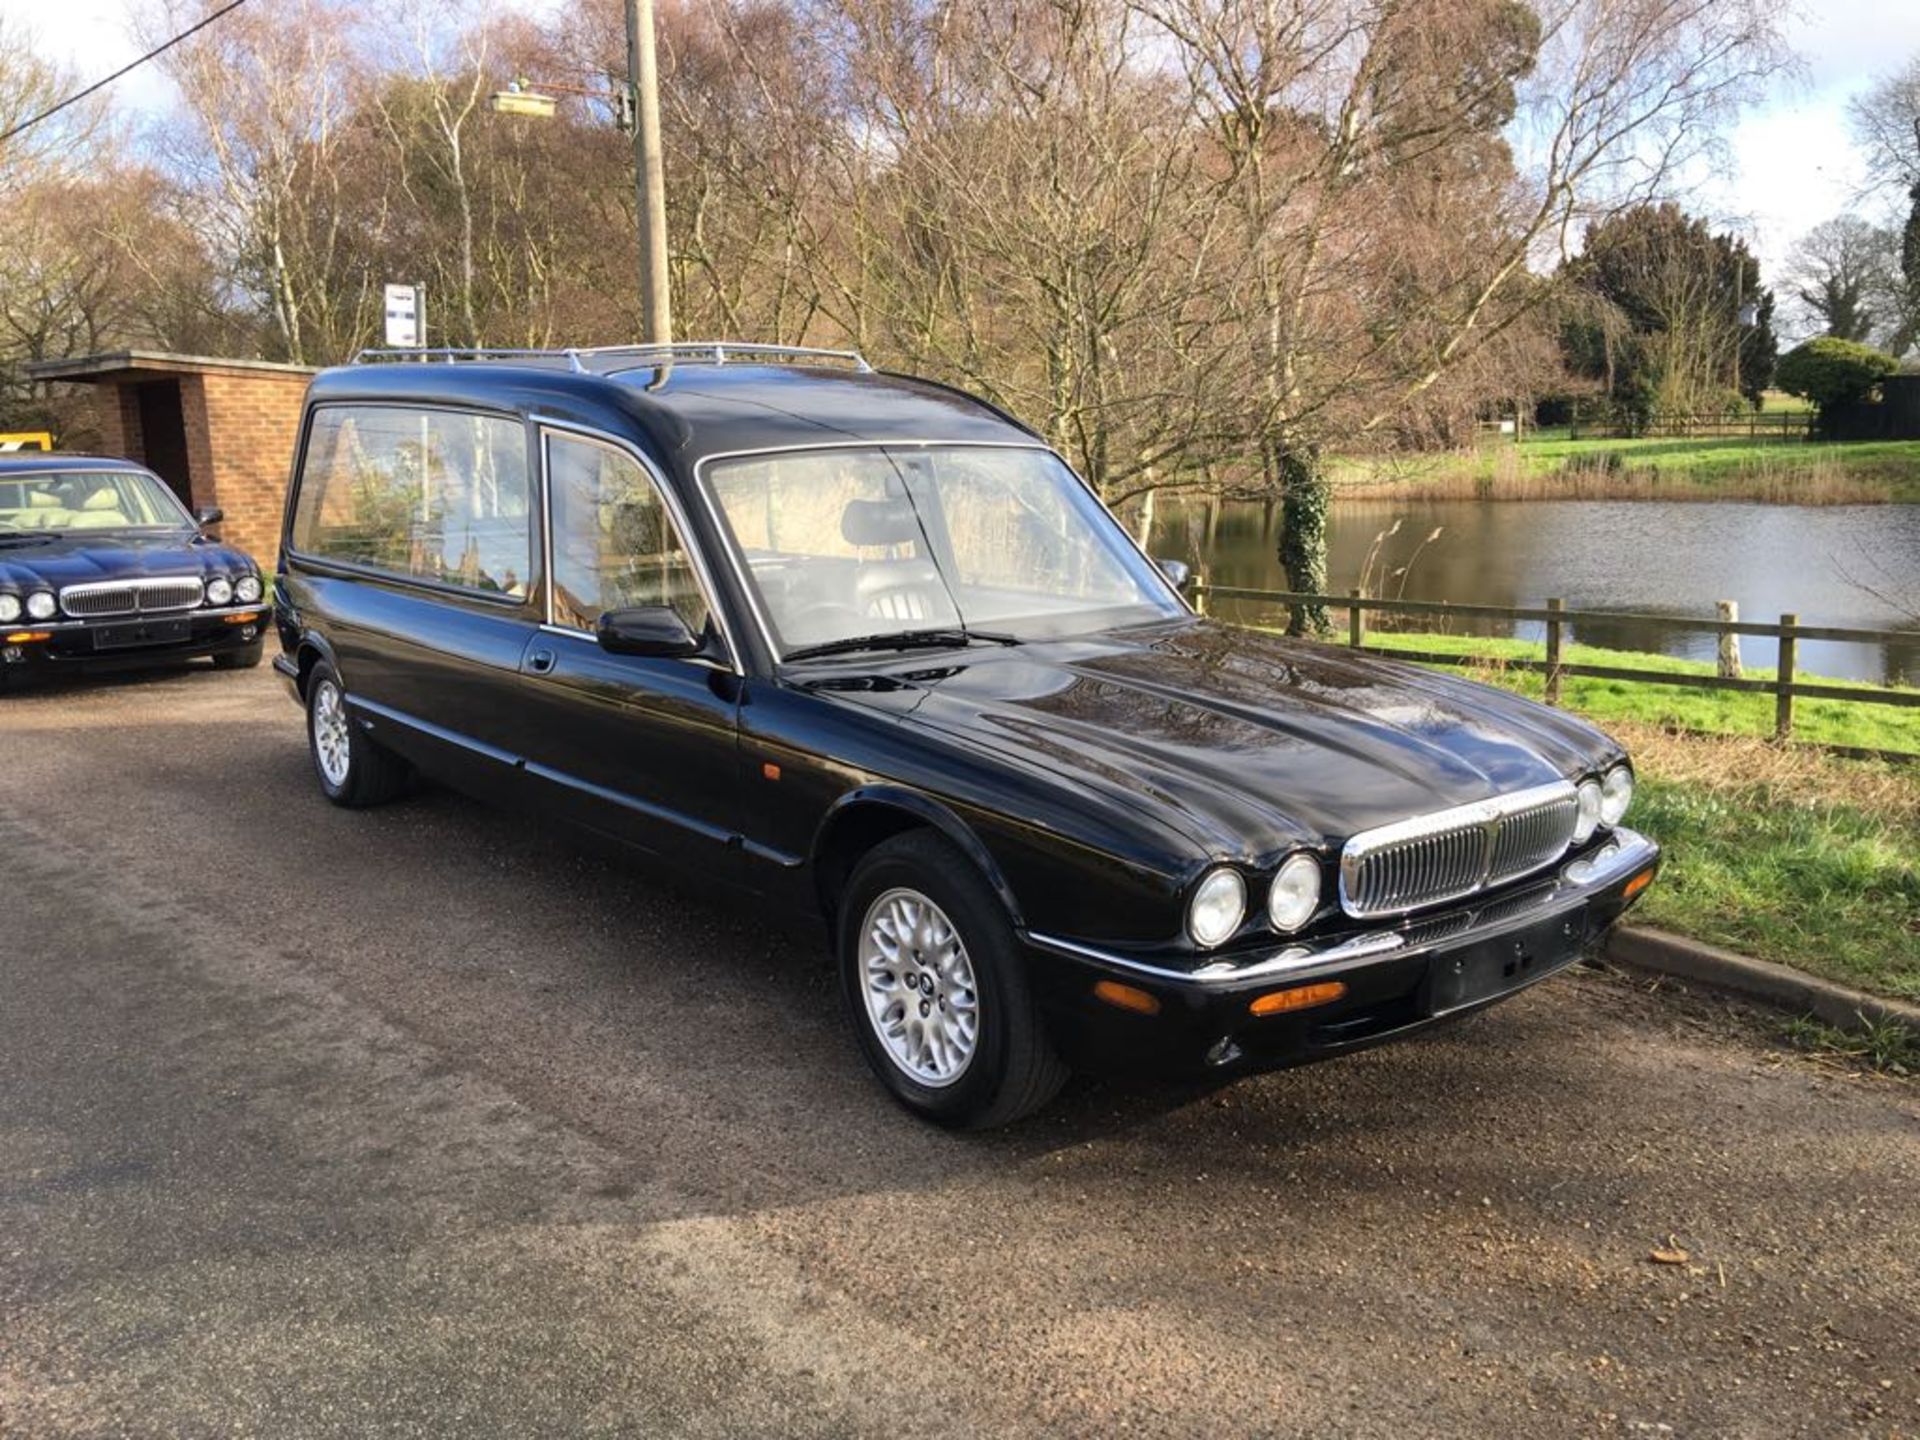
(406, 317)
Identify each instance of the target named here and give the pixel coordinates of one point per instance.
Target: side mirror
(209, 515)
(647, 630)
(1178, 571)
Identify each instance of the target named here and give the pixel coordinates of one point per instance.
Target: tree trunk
(1304, 498)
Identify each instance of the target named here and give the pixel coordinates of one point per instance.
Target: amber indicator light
(244, 619)
(770, 770)
(24, 637)
(1300, 997)
(1127, 997)
(1637, 884)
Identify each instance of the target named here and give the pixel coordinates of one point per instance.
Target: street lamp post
(649, 171)
(650, 182)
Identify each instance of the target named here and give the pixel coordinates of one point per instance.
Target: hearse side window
(614, 544)
(434, 494)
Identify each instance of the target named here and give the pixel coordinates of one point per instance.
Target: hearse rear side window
(434, 494)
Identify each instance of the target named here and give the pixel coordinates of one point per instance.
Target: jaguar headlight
(1219, 905)
(1294, 894)
(1588, 820)
(9, 609)
(248, 590)
(1616, 794)
(219, 592)
(41, 605)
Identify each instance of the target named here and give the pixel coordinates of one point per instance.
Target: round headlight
(219, 592)
(9, 609)
(1589, 818)
(1219, 905)
(248, 590)
(40, 605)
(1616, 794)
(1295, 893)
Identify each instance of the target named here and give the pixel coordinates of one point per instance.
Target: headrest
(102, 499)
(41, 500)
(879, 522)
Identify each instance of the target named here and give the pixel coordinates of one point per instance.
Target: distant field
(1786, 471)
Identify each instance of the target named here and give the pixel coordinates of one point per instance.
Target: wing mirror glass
(209, 515)
(647, 630)
(1178, 571)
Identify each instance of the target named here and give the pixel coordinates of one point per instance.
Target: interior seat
(898, 587)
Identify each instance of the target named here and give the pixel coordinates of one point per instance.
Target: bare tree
(1845, 272)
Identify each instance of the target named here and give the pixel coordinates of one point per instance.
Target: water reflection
(1832, 565)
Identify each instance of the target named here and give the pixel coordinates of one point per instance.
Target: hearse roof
(700, 402)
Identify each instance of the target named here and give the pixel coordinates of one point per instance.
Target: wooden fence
(1775, 424)
(1785, 687)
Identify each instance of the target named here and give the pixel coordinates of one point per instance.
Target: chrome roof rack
(693, 352)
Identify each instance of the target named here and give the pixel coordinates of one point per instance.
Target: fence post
(1200, 593)
(1729, 642)
(1783, 687)
(1553, 652)
(1356, 622)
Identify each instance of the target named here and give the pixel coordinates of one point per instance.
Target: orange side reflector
(26, 637)
(1300, 997)
(1127, 997)
(1637, 884)
(770, 770)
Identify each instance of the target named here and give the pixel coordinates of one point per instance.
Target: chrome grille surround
(132, 597)
(1450, 854)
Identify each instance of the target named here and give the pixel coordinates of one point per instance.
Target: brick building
(220, 432)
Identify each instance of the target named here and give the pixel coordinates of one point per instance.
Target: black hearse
(100, 564)
(865, 646)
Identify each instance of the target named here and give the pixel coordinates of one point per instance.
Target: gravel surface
(423, 1121)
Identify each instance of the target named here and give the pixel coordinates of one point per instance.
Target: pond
(1831, 565)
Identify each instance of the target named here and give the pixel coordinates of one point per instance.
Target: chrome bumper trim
(1624, 852)
(259, 607)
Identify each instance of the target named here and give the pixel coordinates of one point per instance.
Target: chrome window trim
(736, 562)
(297, 484)
(676, 513)
(1486, 814)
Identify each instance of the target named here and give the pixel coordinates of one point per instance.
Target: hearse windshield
(79, 500)
(936, 543)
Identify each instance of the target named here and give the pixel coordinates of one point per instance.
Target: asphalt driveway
(423, 1122)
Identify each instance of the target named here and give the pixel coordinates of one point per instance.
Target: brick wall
(241, 428)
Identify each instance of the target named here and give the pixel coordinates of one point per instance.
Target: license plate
(140, 632)
(1494, 967)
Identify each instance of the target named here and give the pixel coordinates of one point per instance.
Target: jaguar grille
(1432, 859)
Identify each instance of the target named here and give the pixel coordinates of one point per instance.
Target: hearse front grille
(1432, 859)
(131, 597)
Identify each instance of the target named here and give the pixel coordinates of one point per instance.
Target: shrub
(1832, 372)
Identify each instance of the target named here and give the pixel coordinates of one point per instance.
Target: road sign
(406, 316)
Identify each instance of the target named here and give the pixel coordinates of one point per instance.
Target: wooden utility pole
(650, 181)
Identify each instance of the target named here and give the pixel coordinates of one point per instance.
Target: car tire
(243, 659)
(918, 900)
(352, 768)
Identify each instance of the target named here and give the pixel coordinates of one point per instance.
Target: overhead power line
(98, 85)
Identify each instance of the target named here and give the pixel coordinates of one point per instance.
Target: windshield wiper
(942, 638)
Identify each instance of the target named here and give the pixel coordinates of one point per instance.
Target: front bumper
(1397, 979)
(41, 647)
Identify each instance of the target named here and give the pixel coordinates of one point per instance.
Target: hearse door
(640, 747)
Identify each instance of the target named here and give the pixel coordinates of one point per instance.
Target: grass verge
(1827, 722)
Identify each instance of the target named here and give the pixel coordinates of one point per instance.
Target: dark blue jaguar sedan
(101, 564)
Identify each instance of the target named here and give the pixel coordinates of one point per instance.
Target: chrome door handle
(540, 661)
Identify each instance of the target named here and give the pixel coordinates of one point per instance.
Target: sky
(1790, 164)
